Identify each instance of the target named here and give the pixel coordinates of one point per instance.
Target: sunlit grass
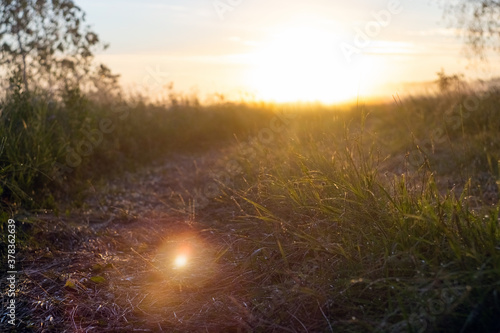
(355, 221)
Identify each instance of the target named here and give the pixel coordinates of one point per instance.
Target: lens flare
(180, 261)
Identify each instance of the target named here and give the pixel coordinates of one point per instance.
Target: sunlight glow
(304, 63)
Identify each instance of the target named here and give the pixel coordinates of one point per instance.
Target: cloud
(445, 32)
(241, 41)
(389, 47)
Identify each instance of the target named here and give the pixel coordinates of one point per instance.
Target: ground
(109, 265)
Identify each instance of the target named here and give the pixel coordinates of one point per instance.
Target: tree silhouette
(46, 41)
(480, 22)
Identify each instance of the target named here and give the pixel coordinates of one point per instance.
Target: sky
(277, 50)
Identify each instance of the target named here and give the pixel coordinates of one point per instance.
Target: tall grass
(51, 147)
(344, 232)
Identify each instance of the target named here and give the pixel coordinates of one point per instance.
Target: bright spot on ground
(180, 261)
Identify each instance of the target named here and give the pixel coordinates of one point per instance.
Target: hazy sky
(276, 49)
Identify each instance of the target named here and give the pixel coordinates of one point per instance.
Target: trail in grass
(136, 258)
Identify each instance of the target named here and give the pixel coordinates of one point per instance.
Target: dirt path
(136, 258)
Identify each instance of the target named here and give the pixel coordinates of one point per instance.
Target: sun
(304, 64)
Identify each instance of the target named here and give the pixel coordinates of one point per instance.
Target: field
(253, 217)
